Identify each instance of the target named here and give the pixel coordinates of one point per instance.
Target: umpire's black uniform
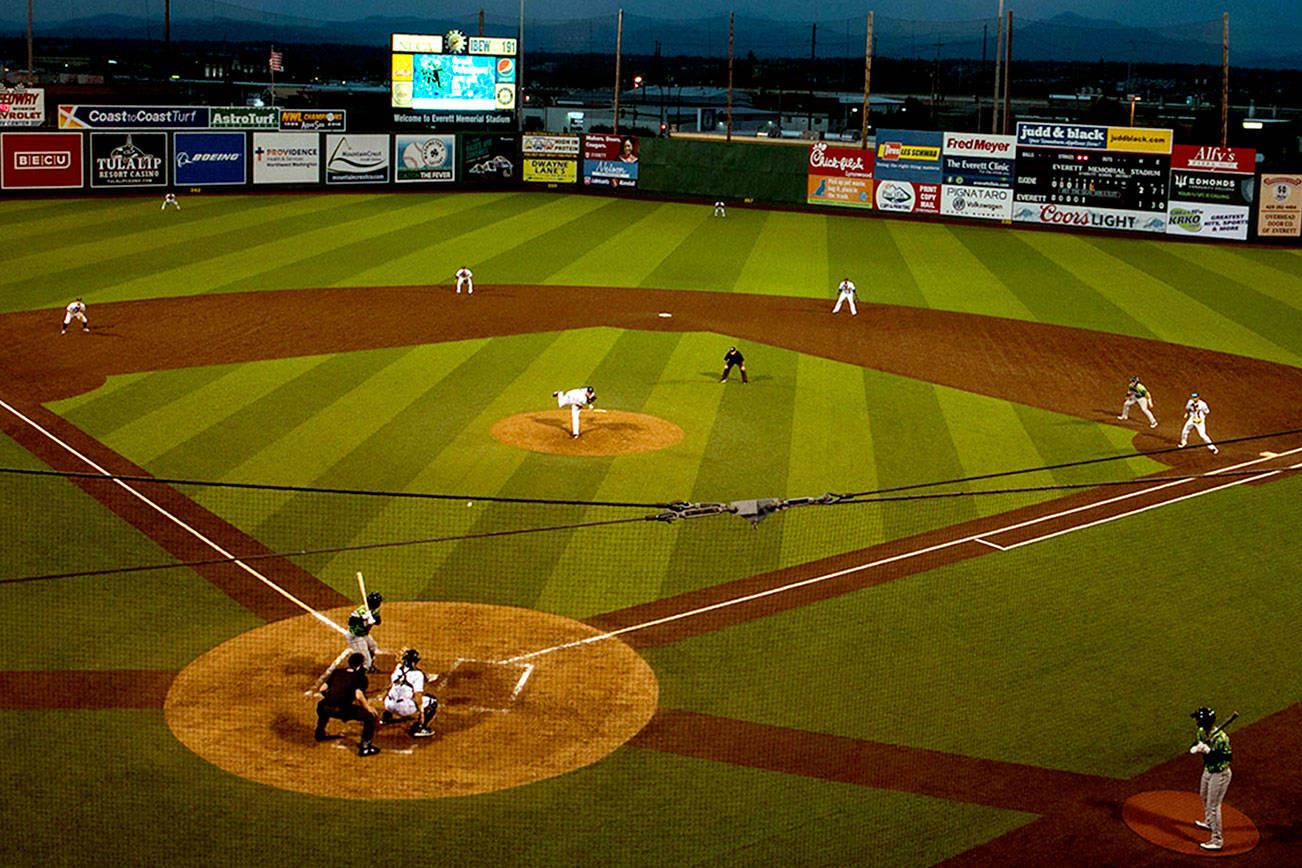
(340, 702)
(731, 358)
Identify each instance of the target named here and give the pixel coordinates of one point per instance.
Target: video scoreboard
(453, 73)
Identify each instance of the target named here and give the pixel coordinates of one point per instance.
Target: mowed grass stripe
(865, 251)
(46, 230)
(950, 276)
(151, 435)
(102, 264)
(111, 386)
(216, 451)
(744, 458)
(653, 373)
(496, 227)
(1285, 261)
(822, 460)
(711, 257)
(578, 227)
(1167, 310)
(646, 234)
(1235, 301)
(272, 259)
(1063, 439)
(1230, 264)
(100, 413)
(1039, 272)
(789, 256)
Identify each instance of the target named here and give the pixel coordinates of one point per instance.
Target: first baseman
(576, 400)
(1214, 745)
(465, 278)
(845, 292)
(1137, 393)
(1195, 417)
(76, 310)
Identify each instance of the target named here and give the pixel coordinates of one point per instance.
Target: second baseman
(576, 400)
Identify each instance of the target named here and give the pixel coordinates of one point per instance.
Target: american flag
(277, 61)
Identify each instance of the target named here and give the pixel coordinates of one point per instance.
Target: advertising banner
(354, 159)
(1082, 217)
(909, 155)
(543, 170)
(244, 118)
(128, 159)
(286, 158)
(40, 161)
(610, 161)
(535, 145)
(298, 119)
(1280, 210)
(490, 159)
(840, 176)
(1207, 221)
(907, 197)
(22, 106)
(978, 176)
(1041, 135)
(200, 159)
(424, 158)
(983, 203)
(132, 117)
(1141, 139)
(1211, 191)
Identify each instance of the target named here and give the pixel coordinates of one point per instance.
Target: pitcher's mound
(1166, 818)
(602, 432)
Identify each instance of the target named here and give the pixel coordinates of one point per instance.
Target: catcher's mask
(1204, 717)
(410, 657)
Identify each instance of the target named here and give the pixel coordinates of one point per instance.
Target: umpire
(734, 358)
(344, 698)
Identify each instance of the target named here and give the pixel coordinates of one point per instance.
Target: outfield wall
(1076, 177)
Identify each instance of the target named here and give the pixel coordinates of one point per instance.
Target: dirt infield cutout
(242, 706)
(602, 432)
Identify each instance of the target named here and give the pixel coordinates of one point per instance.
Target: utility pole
(1008, 72)
(31, 69)
(813, 38)
(1225, 78)
(728, 134)
(999, 56)
(867, 81)
(619, 51)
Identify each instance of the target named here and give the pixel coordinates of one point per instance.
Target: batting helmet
(1134, 379)
(410, 657)
(373, 600)
(1193, 394)
(1204, 717)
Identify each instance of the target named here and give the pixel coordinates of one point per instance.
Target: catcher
(407, 696)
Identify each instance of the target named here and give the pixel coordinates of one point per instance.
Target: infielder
(1137, 393)
(845, 292)
(170, 199)
(465, 278)
(719, 209)
(576, 400)
(407, 696)
(1215, 749)
(76, 310)
(1195, 417)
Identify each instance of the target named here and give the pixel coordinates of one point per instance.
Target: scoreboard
(1093, 178)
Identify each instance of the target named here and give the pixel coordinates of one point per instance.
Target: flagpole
(271, 66)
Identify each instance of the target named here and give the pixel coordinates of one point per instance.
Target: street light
(1134, 98)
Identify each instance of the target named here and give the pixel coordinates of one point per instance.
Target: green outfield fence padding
(727, 170)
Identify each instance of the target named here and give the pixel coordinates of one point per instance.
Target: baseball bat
(361, 585)
(1227, 722)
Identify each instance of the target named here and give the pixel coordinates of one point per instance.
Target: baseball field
(913, 595)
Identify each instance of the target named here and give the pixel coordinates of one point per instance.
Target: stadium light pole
(31, 70)
(519, 72)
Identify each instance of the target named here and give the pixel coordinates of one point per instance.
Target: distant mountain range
(1064, 37)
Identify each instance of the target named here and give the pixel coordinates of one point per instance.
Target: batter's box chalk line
(517, 675)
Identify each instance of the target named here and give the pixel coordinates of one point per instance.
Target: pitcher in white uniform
(576, 400)
(1195, 417)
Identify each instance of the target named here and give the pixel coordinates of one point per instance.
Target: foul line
(178, 522)
(905, 556)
